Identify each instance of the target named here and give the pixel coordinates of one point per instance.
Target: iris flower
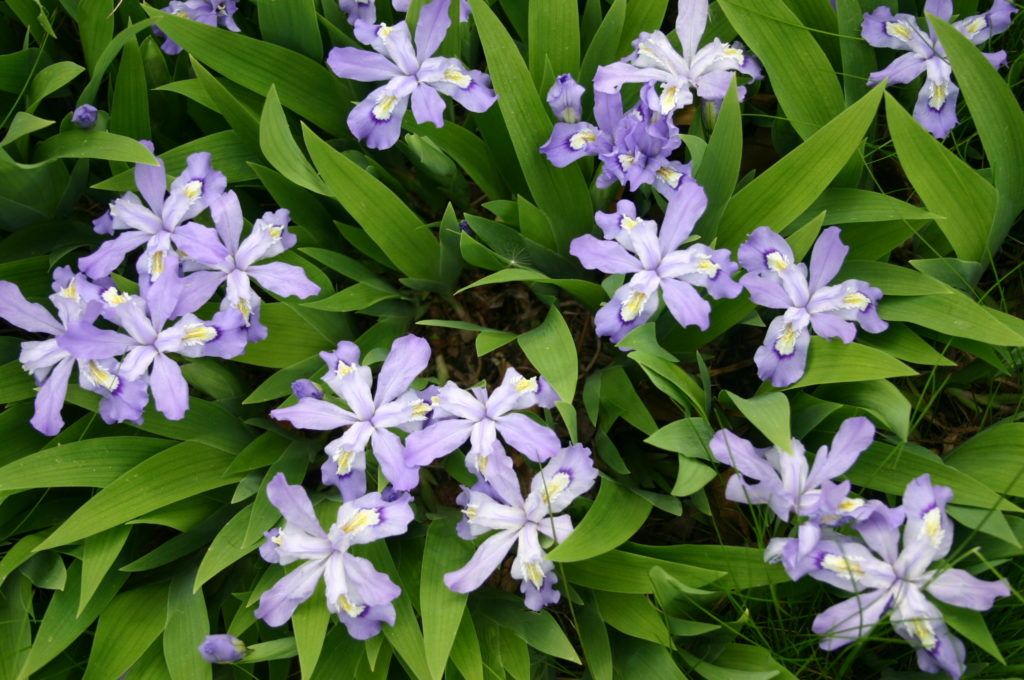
(369, 415)
(360, 595)
(210, 12)
(501, 507)
(708, 70)
(885, 578)
(935, 109)
(411, 71)
(775, 280)
(639, 247)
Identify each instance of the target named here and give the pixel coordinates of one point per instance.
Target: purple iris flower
(501, 507)
(636, 246)
(707, 70)
(471, 415)
(148, 339)
(221, 255)
(936, 104)
(50, 363)
(885, 578)
(775, 280)
(305, 387)
(222, 648)
(360, 595)
(634, 147)
(153, 223)
(368, 417)
(84, 116)
(210, 12)
(789, 485)
(410, 72)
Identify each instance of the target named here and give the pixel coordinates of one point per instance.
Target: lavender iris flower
(775, 280)
(368, 418)
(634, 147)
(210, 12)
(360, 595)
(148, 339)
(790, 486)
(221, 255)
(501, 507)
(222, 648)
(636, 246)
(410, 72)
(936, 104)
(153, 223)
(885, 578)
(366, 10)
(84, 116)
(462, 415)
(707, 70)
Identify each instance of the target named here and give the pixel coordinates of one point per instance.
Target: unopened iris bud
(84, 116)
(222, 648)
(565, 99)
(306, 388)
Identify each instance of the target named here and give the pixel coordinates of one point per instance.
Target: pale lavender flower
(222, 648)
(368, 419)
(221, 255)
(305, 387)
(210, 12)
(566, 99)
(151, 224)
(501, 507)
(639, 247)
(360, 595)
(775, 280)
(84, 116)
(148, 339)
(708, 70)
(411, 72)
(935, 109)
(789, 485)
(885, 578)
(471, 415)
(50, 364)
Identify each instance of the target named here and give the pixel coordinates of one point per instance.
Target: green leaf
(833, 362)
(893, 279)
(603, 49)
(466, 650)
(18, 554)
(226, 548)
(996, 113)
(597, 650)
(23, 124)
(889, 469)
(49, 80)
(310, 625)
(92, 462)
(186, 625)
(441, 609)
(636, 658)
(846, 206)
(616, 515)
(281, 149)
(954, 314)
(184, 470)
(551, 349)
(385, 217)
(720, 166)
(994, 456)
(670, 379)
(633, 615)
(305, 86)
(98, 555)
(688, 436)
(95, 28)
(769, 413)
(405, 636)
(355, 298)
(290, 338)
(641, 15)
(241, 119)
(784, 191)
(947, 185)
(554, 38)
(744, 567)
(127, 627)
(75, 143)
(129, 104)
(880, 397)
(537, 629)
(971, 625)
(292, 24)
(470, 153)
(60, 626)
(560, 192)
(802, 76)
(586, 292)
(619, 571)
